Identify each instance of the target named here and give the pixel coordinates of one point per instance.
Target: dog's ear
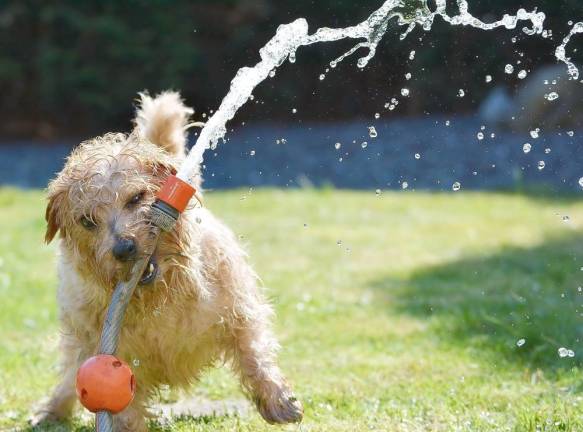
(53, 212)
(163, 120)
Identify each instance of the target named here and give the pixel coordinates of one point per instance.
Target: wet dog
(198, 301)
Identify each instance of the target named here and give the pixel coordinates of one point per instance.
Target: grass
(398, 312)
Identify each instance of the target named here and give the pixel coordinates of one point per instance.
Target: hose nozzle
(171, 201)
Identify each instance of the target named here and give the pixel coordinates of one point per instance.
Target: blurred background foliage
(70, 68)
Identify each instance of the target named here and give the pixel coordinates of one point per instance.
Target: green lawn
(398, 312)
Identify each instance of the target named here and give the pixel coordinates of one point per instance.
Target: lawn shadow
(519, 303)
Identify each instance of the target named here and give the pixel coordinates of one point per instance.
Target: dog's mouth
(150, 272)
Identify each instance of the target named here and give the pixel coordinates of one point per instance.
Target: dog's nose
(124, 249)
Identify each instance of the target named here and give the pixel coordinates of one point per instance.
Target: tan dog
(199, 299)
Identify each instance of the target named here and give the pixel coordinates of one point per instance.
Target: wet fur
(205, 305)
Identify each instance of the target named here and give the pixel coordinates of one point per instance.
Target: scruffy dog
(198, 300)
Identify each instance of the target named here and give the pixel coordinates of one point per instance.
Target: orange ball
(105, 383)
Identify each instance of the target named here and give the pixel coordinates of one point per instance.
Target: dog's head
(100, 201)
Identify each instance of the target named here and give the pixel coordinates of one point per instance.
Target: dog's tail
(163, 120)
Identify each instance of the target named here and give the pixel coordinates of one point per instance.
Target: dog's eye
(136, 199)
(87, 223)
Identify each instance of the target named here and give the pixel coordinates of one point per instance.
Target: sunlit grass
(396, 312)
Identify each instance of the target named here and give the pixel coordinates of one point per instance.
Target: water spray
(105, 384)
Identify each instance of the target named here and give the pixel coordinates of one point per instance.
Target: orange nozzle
(176, 193)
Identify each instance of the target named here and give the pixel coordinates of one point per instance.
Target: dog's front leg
(255, 359)
(62, 400)
(248, 318)
(60, 404)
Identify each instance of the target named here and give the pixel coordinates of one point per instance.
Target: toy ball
(105, 383)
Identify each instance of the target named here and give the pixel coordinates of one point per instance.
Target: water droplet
(377, 116)
(271, 74)
(136, 362)
(566, 219)
(447, 122)
(408, 76)
(294, 110)
(405, 92)
(522, 74)
(526, 148)
(581, 182)
(520, 342)
(252, 152)
(322, 76)
(508, 68)
(337, 146)
(412, 55)
(488, 78)
(563, 352)
(547, 150)
(480, 136)
(404, 185)
(339, 242)
(417, 156)
(552, 96)
(456, 186)
(362, 62)
(378, 191)
(541, 165)
(364, 144)
(372, 132)
(535, 133)
(461, 93)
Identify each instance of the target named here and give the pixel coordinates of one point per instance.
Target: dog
(199, 300)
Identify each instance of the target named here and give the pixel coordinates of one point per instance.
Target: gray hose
(114, 319)
(103, 421)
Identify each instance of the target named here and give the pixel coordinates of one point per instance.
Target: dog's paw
(44, 417)
(129, 421)
(282, 408)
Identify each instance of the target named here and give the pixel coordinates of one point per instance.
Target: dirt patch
(201, 407)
